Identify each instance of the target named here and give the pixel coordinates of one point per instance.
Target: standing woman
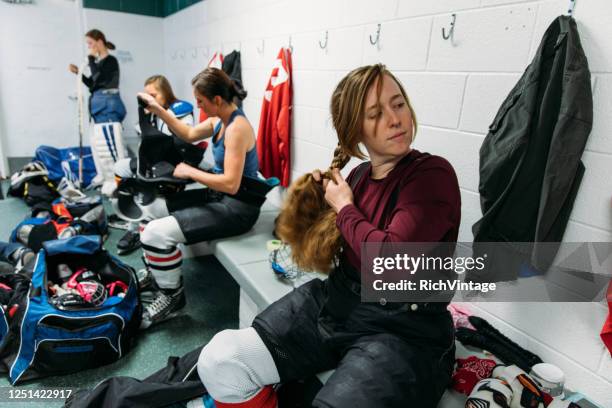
(105, 104)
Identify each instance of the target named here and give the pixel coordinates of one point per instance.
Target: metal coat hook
(324, 46)
(194, 52)
(451, 29)
(174, 54)
(262, 47)
(182, 54)
(373, 42)
(570, 9)
(290, 46)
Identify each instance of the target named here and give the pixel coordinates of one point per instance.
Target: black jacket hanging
(530, 166)
(233, 67)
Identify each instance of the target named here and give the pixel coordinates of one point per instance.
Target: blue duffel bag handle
(79, 244)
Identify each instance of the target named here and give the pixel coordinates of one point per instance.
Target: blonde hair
(163, 85)
(306, 222)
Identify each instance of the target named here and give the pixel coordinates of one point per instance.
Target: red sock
(265, 398)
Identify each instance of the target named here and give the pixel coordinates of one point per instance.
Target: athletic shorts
(204, 214)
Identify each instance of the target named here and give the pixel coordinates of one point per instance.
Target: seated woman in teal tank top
(234, 143)
(251, 164)
(228, 206)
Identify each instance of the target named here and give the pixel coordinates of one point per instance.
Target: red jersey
(273, 136)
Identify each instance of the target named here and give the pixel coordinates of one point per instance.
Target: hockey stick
(80, 119)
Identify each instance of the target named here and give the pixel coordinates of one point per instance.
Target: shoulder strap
(216, 136)
(217, 127)
(394, 196)
(390, 205)
(234, 115)
(359, 172)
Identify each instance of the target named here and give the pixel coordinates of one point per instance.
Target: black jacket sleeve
(95, 73)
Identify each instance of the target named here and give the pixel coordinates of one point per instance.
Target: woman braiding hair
(307, 222)
(385, 355)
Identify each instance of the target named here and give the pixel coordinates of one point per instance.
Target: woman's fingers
(338, 194)
(337, 176)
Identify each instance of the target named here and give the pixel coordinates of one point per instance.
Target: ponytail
(237, 90)
(340, 158)
(110, 45)
(214, 82)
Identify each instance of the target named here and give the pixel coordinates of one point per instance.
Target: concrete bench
(246, 258)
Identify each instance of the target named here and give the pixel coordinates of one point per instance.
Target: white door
(37, 106)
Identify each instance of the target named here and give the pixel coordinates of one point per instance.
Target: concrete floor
(212, 305)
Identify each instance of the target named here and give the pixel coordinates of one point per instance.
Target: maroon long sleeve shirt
(428, 206)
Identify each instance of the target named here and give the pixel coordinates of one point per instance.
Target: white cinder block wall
(456, 89)
(36, 46)
(37, 42)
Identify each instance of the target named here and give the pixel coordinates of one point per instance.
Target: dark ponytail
(237, 90)
(214, 82)
(98, 35)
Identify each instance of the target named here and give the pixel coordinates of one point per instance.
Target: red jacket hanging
(216, 62)
(606, 331)
(273, 137)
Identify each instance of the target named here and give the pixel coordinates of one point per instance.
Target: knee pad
(235, 365)
(215, 361)
(154, 235)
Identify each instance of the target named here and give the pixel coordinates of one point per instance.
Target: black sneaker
(166, 305)
(128, 243)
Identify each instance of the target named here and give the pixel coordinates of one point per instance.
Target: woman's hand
(73, 68)
(152, 105)
(338, 193)
(183, 171)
